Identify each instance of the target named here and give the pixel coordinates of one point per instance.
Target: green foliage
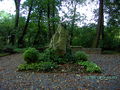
(20, 50)
(31, 55)
(81, 56)
(6, 27)
(112, 9)
(69, 57)
(90, 66)
(112, 38)
(83, 36)
(50, 55)
(41, 66)
(8, 46)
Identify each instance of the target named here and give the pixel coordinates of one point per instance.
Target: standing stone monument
(59, 40)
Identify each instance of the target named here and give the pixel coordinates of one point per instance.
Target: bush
(31, 55)
(50, 55)
(69, 57)
(81, 56)
(90, 66)
(42, 66)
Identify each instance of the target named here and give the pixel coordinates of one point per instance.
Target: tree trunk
(73, 23)
(21, 40)
(100, 28)
(17, 5)
(39, 29)
(48, 16)
(12, 36)
(53, 16)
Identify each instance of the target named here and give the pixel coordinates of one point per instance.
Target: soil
(69, 68)
(109, 79)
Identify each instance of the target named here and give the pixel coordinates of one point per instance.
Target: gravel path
(10, 79)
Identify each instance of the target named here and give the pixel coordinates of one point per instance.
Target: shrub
(42, 66)
(90, 66)
(41, 57)
(69, 57)
(50, 55)
(81, 56)
(31, 55)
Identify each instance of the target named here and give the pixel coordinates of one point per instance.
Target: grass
(90, 66)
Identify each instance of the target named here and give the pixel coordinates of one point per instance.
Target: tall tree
(53, 16)
(17, 5)
(39, 31)
(73, 15)
(112, 9)
(100, 27)
(73, 22)
(21, 39)
(48, 16)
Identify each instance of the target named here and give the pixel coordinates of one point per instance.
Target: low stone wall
(87, 50)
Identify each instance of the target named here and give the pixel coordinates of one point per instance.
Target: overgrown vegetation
(49, 60)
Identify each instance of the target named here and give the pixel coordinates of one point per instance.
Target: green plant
(90, 66)
(19, 50)
(51, 56)
(47, 55)
(81, 56)
(79, 36)
(41, 56)
(41, 66)
(69, 57)
(31, 55)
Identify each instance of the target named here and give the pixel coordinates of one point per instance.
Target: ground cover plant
(49, 61)
(90, 66)
(41, 66)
